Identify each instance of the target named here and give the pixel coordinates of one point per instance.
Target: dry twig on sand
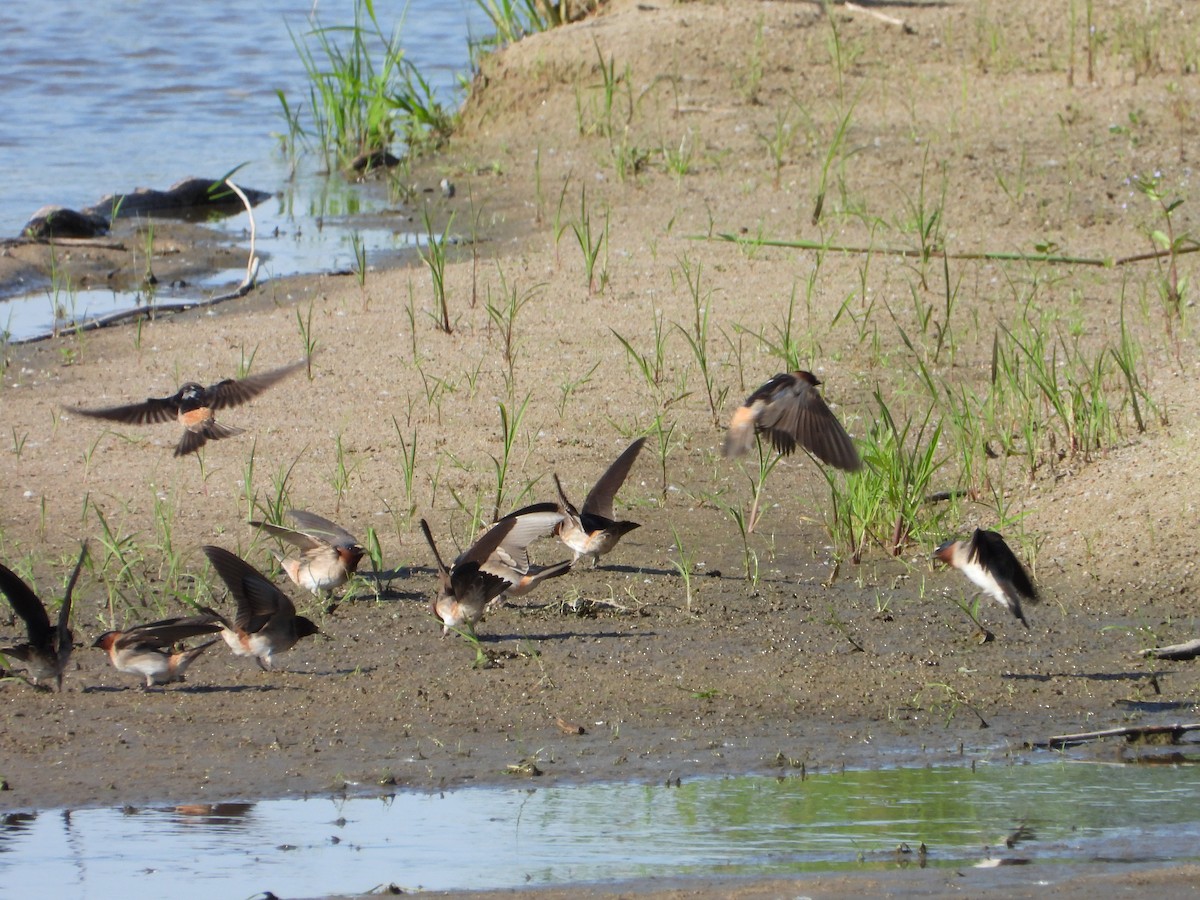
(1130, 733)
(1186, 650)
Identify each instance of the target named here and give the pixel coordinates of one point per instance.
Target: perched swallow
(48, 649)
(193, 405)
(790, 410)
(465, 589)
(266, 621)
(329, 554)
(991, 565)
(145, 650)
(593, 531)
(510, 560)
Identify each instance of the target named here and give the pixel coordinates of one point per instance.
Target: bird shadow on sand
(183, 688)
(1090, 676)
(1154, 706)
(382, 587)
(494, 637)
(628, 570)
(343, 672)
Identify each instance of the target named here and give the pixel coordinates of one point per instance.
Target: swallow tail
(181, 661)
(1014, 606)
(740, 436)
(212, 431)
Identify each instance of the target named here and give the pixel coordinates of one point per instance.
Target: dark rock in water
(60, 222)
(376, 159)
(185, 198)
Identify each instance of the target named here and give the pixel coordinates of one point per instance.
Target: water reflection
(1048, 818)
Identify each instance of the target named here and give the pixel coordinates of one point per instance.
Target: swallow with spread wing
(790, 410)
(147, 650)
(510, 560)
(987, 560)
(48, 648)
(329, 554)
(193, 405)
(266, 622)
(594, 530)
(465, 589)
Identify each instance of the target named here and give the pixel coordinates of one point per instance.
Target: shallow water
(1071, 816)
(107, 95)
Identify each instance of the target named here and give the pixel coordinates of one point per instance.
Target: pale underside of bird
(992, 567)
(790, 411)
(329, 554)
(48, 648)
(149, 650)
(593, 530)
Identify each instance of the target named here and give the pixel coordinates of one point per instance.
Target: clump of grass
(513, 19)
(697, 338)
(1169, 243)
(885, 503)
(364, 95)
(592, 244)
(434, 256)
(503, 313)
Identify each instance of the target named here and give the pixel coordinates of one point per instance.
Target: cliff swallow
(145, 650)
(193, 406)
(992, 566)
(266, 621)
(465, 589)
(593, 531)
(790, 410)
(329, 554)
(510, 560)
(48, 649)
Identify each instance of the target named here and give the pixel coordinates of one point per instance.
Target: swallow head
(620, 529)
(106, 640)
(191, 396)
(945, 552)
(305, 627)
(808, 377)
(351, 556)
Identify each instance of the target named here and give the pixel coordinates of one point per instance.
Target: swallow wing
(168, 632)
(25, 603)
(567, 507)
(320, 527)
(990, 551)
(483, 548)
(258, 600)
(235, 392)
(64, 611)
(148, 412)
(305, 542)
(443, 572)
(529, 524)
(794, 412)
(470, 582)
(599, 500)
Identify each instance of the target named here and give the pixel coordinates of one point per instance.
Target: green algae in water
(1062, 817)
